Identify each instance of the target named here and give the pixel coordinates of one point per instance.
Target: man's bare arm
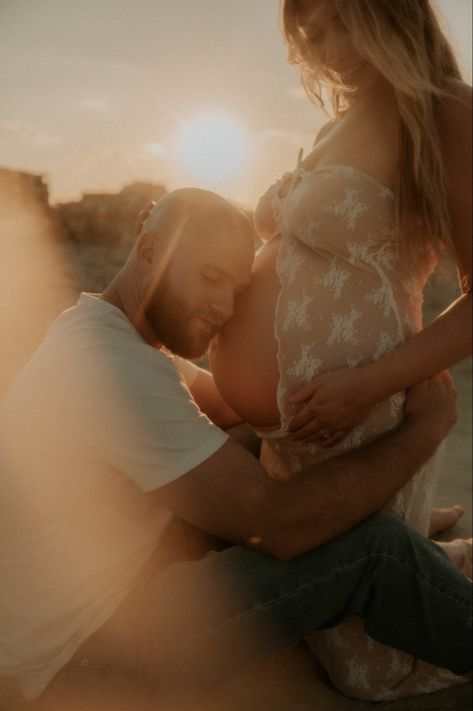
(231, 496)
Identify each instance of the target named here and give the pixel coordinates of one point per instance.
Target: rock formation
(107, 218)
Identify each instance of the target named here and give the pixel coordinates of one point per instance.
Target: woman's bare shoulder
(324, 131)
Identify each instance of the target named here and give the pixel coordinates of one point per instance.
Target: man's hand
(143, 214)
(433, 403)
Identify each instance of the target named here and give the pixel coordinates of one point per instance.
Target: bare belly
(243, 357)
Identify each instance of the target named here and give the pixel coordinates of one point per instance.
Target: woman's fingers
(303, 393)
(149, 206)
(303, 417)
(331, 439)
(143, 214)
(322, 438)
(312, 429)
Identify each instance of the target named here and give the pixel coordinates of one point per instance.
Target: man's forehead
(229, 256)
(226, 236)
(236, 271)
(221, 239)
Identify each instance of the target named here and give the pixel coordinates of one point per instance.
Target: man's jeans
(185, 628)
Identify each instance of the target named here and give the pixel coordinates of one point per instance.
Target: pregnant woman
(350, 238)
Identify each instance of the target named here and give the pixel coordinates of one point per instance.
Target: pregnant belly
(243, 357)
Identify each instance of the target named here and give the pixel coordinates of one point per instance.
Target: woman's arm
(447, 340)
(339, 400)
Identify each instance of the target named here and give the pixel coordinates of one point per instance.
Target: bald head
(190, 212)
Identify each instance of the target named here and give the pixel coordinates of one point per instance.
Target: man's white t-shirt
(96, 419)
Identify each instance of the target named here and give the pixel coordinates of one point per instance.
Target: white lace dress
(346, 299)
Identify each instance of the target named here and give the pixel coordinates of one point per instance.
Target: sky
(97, 94)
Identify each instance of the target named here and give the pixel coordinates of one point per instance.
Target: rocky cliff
(107, 218)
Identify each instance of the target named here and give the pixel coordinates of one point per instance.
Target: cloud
(29, 133)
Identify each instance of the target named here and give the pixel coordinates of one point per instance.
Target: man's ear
(145, 250)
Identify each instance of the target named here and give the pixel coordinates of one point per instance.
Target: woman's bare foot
(442, 519)
(459, 552)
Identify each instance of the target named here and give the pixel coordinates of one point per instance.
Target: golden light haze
(98, 95)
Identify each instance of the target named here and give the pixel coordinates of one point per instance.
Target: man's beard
(177, 325)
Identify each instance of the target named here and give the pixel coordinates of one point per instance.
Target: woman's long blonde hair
(403, 40)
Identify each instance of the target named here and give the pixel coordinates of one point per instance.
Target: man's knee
(386, 529)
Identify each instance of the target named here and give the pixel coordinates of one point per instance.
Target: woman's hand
(143, 214)
(335, 403)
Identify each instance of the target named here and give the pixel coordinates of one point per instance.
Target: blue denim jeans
(191, 625)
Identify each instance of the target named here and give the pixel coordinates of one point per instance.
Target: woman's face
(326, 41)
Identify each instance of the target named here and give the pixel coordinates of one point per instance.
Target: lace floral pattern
(346, 299)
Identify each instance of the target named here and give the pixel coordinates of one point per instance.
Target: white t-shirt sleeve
(145, 422)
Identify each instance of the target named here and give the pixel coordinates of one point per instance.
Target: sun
(213, 149)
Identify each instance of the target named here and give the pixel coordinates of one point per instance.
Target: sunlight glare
(212, 148)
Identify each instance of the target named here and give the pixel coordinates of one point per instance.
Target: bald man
(102, 443)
